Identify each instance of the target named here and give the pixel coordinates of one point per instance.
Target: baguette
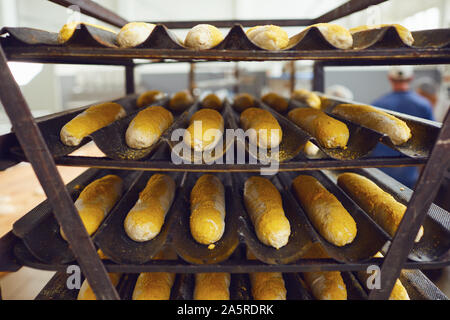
(205, 130)
(380, 205)
(310, 149)
(326, 213)
(212, 286)
(324, 285)
(146, 218)
(276, 102)
(329, 132)
(265, 208)
(335, 34)
(149, 97)
(266, 131)
(368, 116)
(403, 32)
(68, 30)
(147, 127)
(398, 292)
(203, 36)
(86, 292)
(309, 98)
(243, 101)
(207, 220)
(268, 286)
(90, 120)
(268, 37)
(180, 101)
(96, 200)
(134, 34)
(212, 101)
(153, 286)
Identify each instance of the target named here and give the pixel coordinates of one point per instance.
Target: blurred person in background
(427, 88)
(402, 99)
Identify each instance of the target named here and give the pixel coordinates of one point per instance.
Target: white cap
(401, 73)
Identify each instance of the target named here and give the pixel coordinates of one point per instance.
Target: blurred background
(52, 88)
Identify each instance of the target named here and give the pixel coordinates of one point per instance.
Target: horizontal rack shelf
(51, 54)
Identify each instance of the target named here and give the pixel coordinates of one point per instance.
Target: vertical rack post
(292, 78)
(421, 200)
(191, 78)
(318, 77)
(38, 154)
(130, 85)
(236, 78)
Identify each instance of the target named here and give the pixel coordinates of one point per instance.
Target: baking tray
(424, 132)
(236, 39)
(198, 157)
(114, 241)
(50, 127)
(40, 231)
(370, 238)
(361, 140)
(435, 241)
(183, 242)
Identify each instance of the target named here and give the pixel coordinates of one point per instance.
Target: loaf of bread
(68, 30)
(324, 285)
(310, 149)
(212, 101)
(375, 119)
(86, 292)
(398, 292)
(243, 101)
(265, 131)
(153, 286)
(205, 130)
(307, 97)
(276, 102)
(148, 125)
(92, 119)
(380, 205)
(329, 132)
(180, 101)
(335, 34)
(134, 34)
(403, 32)
(207, 220)
(149, 97)
(203, 36)
(268, 286)
(268, 37)
(96, 200)
(326, 213)
(212, 286)
(146, 218)
(265, 208)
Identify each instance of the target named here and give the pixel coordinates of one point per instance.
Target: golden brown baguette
(324, 285)
(146, 218)
(68, 30)
(203, 36)
(134, 34)
(180, 101)
(212, 286)
(276, 102)
(310, 149)
(207, 220)
(265, 131)
(403, 32)
(149, 97)
(375, 119)
(205, 130)
(86, 292)
(398, 292)
(326, 213)
(147, 127)
(265, 208)
(243, 101)
(268, 37)
(96, 200)
(329, 132)
(90, 120)
(212, 101)
(307, 97)
(335, 34)
(268, 286)
(380, 205)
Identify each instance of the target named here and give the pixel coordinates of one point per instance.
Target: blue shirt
(407, 102)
